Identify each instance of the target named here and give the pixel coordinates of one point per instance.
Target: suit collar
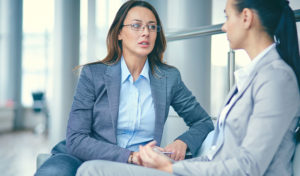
(112, 79)
(158, 82)
(269, 57)
(125, 73)
(243, 74)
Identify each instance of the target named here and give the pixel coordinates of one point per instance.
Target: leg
(59, 164)
(110, 168)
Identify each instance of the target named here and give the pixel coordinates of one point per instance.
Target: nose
(145, 31)
(224, 27)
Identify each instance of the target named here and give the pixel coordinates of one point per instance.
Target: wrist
(167, 168)
(130, 158)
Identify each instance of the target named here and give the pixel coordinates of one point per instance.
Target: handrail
(195, 32)
(205, 31)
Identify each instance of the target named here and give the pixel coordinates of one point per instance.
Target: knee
(52, 170)
(90, 168)
(63, 165)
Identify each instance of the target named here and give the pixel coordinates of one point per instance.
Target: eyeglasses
(141, 27)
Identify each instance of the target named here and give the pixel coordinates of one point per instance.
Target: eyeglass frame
(158, 28)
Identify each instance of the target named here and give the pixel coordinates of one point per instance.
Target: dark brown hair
(279, 22)
(114, 46)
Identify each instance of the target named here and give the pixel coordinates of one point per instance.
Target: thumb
(152, 143)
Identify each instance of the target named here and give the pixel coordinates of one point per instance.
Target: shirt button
(213, 147)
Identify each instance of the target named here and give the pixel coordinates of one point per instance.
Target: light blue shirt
(136, 118)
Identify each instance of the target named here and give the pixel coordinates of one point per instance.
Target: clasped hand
(149, 158)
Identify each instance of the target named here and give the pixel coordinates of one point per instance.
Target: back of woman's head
(278, 20)
(114, 46)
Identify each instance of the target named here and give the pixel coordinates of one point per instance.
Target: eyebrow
(142, 21)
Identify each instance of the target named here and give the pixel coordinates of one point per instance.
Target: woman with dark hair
(255, 132)
(123, 101)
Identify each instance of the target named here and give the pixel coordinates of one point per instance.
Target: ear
(247, 17)
(120, 35)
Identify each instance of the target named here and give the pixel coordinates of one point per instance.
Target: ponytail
(278, 20)
(287, 40)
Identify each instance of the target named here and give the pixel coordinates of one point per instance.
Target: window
(37, 47)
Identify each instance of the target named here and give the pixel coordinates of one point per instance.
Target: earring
(277, 41)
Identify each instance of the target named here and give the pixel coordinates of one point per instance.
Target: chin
(145, 53)
(233, 47)
(142, 54)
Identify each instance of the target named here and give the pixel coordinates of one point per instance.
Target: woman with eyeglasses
(122, 101)
(255, 132)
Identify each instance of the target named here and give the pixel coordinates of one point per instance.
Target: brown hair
(114, 46)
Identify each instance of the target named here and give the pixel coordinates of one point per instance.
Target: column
(11, 57)
(190, 56)
(66, 53)
(91, 30)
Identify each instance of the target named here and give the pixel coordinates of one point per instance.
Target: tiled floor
(18, 152)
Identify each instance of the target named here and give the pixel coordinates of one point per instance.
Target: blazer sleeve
(187, 107)
(275, 105)
(79, 141)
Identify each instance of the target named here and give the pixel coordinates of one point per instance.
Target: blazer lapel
(159, 91)
(267, 59)
(230, 95)
(112, 80)
(220, 132)
(239, 92)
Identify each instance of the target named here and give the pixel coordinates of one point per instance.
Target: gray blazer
(92, 126)
(258, 135)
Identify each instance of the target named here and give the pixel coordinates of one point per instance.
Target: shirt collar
(145, 71)
(126, 73)
(242, 74)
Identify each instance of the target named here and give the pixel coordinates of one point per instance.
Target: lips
(144, 43)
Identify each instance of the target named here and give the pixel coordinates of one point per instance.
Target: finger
(177, 155)
(183, 155)
(136, 158)
(144, 155)
(171, 149)
(173, 155)
(151, 144)
(160, 149)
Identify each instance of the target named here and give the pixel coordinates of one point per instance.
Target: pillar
(66, 53)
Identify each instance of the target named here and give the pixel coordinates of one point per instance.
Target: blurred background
(42, 41)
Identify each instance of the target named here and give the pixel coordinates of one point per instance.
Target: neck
(134, 64)
(257, 42)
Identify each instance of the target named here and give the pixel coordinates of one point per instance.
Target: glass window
(219, 58)
(93, 47)
(37, 47)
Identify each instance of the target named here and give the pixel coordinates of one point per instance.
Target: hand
(136, 158)
(178, 149)
(150, 158)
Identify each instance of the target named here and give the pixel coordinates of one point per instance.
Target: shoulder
(95, 68)
(277, 71)
(168, 70)
(92, 72)
(278, 80)
(274, 68)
